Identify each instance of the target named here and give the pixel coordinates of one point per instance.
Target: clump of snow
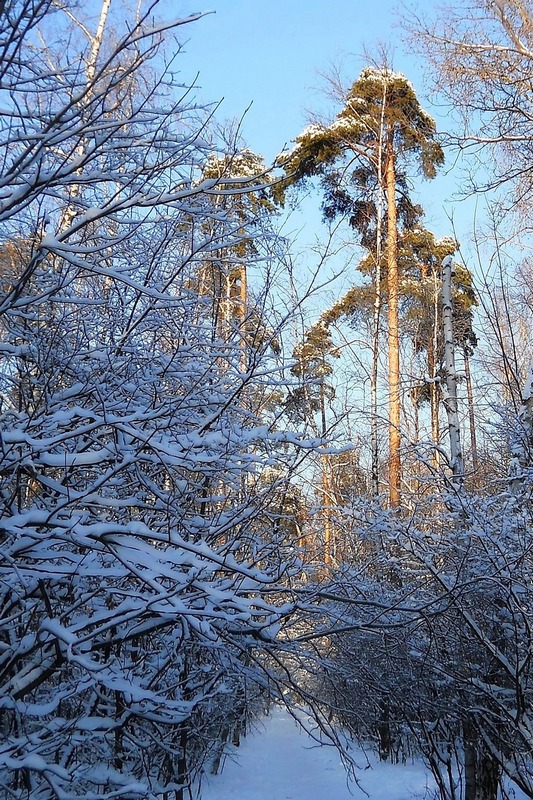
(310, 131)
(528, 388)
(383, 74)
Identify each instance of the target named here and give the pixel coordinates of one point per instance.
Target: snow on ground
(281, 762)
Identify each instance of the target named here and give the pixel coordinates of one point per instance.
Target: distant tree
(421, 257)
(309, 399)
(238, 220)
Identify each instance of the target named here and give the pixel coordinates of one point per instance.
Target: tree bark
(450, 400)
(384, 731)
(374, 380)
(471, 416)
(329, 543)
(239, 302)
(90, 71)
(482, 772)
(393, 285)
(377, 304)
(434, 389)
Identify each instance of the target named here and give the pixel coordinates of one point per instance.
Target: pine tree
(237, 222)
(313, 367)
(362, 160)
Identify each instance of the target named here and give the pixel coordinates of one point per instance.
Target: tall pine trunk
(393, 286)
(375, 366)
(377, 304)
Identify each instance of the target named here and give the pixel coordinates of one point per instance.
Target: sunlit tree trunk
(96, 41)
(434, 389)
(377, 304)
(239, 302)
(434, 400)
(393, 331)
(374, 378)
(432, 361)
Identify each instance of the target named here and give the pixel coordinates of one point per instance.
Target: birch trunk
(432, 349)
(90, 72)
(450, 383)
(434, 390)
(482, 772)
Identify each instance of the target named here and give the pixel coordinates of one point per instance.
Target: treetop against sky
(266, 63)
(269, 57)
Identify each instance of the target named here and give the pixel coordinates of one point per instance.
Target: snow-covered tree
(428, 644)
(142, 568)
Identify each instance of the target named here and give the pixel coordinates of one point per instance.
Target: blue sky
(271, 52)
(264, 58)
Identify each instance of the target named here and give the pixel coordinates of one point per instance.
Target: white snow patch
(281, 762)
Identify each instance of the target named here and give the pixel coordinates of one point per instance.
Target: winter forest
(225, 482)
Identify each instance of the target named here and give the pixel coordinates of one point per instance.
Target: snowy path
(280, 762)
